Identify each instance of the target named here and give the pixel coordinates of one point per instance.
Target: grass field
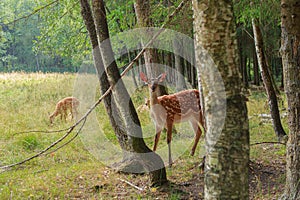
(79, 170)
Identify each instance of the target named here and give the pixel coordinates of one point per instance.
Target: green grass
(261, 130)
(73, 172)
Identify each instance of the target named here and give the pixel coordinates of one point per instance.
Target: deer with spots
(174, 108)
(68, 104)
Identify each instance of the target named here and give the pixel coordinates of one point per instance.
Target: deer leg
(65, 115)
(157, 136)
(198, 132)
(169, 139)
(74, 113)
(51, 119)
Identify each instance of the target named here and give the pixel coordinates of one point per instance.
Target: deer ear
(161, 77)
(143, 77)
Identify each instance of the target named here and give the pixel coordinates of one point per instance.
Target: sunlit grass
(72, 172)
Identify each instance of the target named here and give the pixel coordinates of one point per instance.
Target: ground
(74, 173)
(264, 183)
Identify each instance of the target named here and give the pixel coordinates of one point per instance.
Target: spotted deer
(63, 106)
(174, 108)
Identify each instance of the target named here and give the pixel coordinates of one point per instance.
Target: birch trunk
(227, 158)
(255, 68)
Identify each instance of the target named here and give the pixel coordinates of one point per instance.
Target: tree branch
(36, 131)
(70, 140)
(258, 143)
(39, 153)
(136, 187)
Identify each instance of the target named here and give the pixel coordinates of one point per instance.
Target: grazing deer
(145, 106)
(175, 108)
(63, 106)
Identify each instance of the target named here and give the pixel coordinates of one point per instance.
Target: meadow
(80, 170)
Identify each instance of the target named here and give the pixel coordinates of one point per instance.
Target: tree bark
(142, 159)
(109, 102)
(290, 50)
(256, 78)
(227, 157)
(142, 10)
(180, 82)
(243, 59)
(266, 76)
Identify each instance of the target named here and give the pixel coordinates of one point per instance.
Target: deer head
(154, 82)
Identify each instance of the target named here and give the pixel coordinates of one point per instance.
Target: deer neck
(153, 98)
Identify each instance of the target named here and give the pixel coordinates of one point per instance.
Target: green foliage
(54, 38)
(120, 15)
(62, 31)
(268, 14)
(30, 143)
(183, 22)
(267, 11)
(19, 42)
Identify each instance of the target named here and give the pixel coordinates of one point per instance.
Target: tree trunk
(227, 157)
(142, 10)
(37, 63)
(256, 77)
(270, 72)
(142, 159)
(243, 59)
(109, 102)
(180, 82)
(290, 50)
(266, 76)
(132, 71)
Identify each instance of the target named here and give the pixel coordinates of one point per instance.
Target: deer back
(181, 104)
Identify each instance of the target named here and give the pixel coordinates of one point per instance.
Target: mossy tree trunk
(227, 147)
(290, 50)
